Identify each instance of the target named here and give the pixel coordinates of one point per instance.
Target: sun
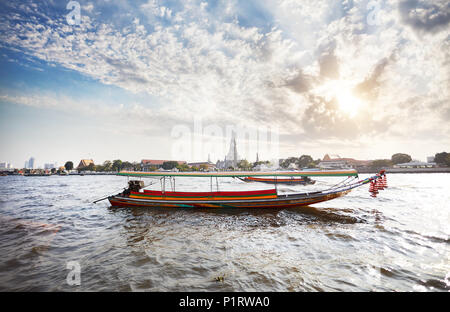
(341, 91)
(348, 103)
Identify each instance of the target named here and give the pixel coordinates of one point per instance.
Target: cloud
(324, 120)
(300, 82)
(370, 86)
(229, 63)
(329, 65)
(89, 7)
(425, 16)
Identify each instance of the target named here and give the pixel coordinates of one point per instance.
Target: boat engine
(135, 185)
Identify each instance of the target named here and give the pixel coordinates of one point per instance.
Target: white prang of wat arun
(232, 158)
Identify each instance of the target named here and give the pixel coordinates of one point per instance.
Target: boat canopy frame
(162, 175)
(133, 199)
(235, 174)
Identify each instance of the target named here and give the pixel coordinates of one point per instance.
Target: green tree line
(304, 161)
(107, 166)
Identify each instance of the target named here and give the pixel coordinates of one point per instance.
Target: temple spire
(232, 155)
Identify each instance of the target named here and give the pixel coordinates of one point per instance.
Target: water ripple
(398, 241)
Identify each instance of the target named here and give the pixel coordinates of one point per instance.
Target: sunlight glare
(348, 103)
(341, 91)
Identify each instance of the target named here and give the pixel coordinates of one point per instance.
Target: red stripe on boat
(187, 194)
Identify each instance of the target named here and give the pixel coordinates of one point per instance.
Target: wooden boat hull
(281, 201)
(136, 196)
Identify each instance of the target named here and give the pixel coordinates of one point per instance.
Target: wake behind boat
(136, 196)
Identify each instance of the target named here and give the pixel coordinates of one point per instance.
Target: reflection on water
(398, 241)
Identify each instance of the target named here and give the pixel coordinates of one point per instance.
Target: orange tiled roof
(85, 163)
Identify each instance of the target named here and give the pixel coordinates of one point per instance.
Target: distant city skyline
(339, 77)
(50, 165)
(5, 165)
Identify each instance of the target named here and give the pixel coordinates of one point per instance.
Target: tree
(287, 162)
(204, 167)
(442, 159)
(136, 166)
(107, 165)
(68, 165)
(127, 165)
(90, 167)
(183, 167)
(304, 161)
(400, 158)
(168, 165)
(261, 162)
(447, 160)
(117, 165)
(314, 163)
(244, 164)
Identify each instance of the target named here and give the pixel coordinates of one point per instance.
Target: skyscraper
(31, 163)
(50, 166)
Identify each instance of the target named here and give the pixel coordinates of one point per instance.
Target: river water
(398, 241)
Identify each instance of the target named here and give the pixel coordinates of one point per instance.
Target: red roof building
(342, 163)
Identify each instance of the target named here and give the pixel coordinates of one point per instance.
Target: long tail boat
(289, 181)
(136, 196)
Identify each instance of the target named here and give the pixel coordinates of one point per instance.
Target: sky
(132, 80)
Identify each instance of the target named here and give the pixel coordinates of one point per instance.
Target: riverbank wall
(406, 170)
